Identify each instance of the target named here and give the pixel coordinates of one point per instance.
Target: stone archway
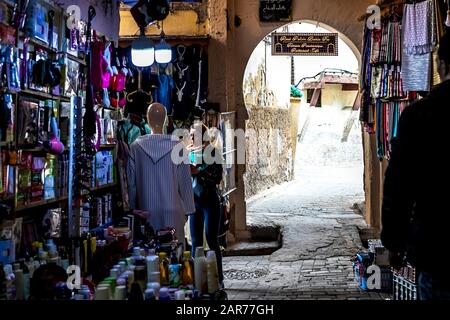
(340, 16)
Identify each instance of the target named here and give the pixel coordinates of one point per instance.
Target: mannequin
(157, 116)
(156, 183)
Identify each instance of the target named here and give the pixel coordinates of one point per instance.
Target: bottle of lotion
(200, 272)
(212, 272)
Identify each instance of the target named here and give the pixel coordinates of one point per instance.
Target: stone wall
(269, 149)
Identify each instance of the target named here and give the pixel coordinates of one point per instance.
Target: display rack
(69, 201)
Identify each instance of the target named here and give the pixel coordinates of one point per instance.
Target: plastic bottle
(200, 272)
(26, 280)
(212, 273)
(152, 261)
(187, 269)
(155, 286)
(150, 295)
(10, 282)
(164, 269)
(164, 294)
(174, 271)
(18, 275)
(138, 259)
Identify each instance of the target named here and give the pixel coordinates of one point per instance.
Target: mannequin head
(444, 57)
(156, 117)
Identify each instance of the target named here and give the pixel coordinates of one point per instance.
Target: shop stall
(72, 101)
(398, 68)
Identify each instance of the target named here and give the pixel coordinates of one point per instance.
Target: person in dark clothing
(415, 215)
(206, 176)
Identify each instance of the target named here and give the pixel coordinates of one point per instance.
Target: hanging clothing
(129, 131)
(158, 185)
(164, 91)
(183, 97)
(419, 25)
(416, 72)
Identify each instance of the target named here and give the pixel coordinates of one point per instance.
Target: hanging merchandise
(419, 41)
(447, 21)
(419, 27)
(183, 104)
(164, 91)
(396, 64)
(388, 115)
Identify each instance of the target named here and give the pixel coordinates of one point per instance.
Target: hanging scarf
(419, 27)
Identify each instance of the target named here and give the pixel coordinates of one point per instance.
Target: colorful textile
(419, 25)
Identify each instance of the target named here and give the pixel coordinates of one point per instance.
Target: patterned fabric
(419, 25)
(416, 72)
(158, 185)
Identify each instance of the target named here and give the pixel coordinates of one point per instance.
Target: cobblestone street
(320, 233)
(320, 228)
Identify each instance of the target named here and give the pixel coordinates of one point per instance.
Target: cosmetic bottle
(187, 269)
(164, 269)
(200, 271)
(174, 271)
(212, 273)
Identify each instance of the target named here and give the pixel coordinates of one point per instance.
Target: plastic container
(155, 286)
(150, 295)
(200, 271)
(174, 272)
(212, 272)
(187, 269)
(164, 269)
(152, 262)
(164, 294)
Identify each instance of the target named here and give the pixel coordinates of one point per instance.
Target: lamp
(163, 51)
(142, 51)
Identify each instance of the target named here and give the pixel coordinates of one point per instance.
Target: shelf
(65, 98)
(39, 94)
(76, 59)
(107, 146)
(10, 91)
(104, 187)
(41, 44)
(41, 203)
(39, 149)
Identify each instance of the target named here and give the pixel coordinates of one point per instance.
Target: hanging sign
(275, 10)
(305, 44)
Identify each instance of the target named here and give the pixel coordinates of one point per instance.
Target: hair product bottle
(213, 274)
(187, 271)
(200, 272)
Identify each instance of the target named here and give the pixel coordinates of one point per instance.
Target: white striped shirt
(158, 185)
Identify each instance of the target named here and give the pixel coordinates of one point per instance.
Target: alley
(319, 224)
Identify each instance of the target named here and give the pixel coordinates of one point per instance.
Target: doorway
(304, 174)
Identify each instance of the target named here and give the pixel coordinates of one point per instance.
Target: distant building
(332, 87)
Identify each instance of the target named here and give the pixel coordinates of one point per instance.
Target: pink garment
(100, 76)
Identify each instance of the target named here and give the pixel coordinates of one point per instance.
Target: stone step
(252, 248)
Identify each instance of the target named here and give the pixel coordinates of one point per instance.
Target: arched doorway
(245, 37)
(273, 125)
(319, 238)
